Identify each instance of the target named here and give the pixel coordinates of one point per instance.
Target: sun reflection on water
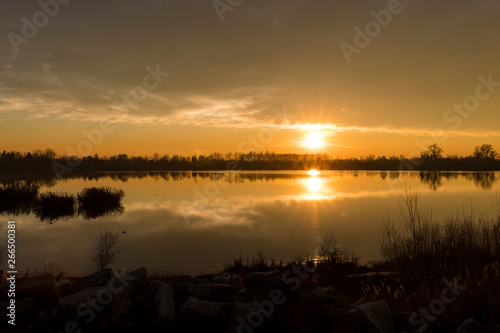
(314, 185)
(313, 172)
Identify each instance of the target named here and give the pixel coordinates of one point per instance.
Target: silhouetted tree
(485, 151)
(46, 162)
(106, 241)
(433, 152)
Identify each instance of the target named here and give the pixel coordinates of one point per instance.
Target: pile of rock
(108, 301)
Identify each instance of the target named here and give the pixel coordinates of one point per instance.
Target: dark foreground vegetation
(90, 203)
(483, 158)
(433, 277)
(449, 269)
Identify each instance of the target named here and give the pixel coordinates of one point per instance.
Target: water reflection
(433, 179)
(101, 211)
(314, 184)
(313, 172)
(282, 212)
(23, 199)
(15, 208)
(314, 187)
(485, 180)
(20, 197)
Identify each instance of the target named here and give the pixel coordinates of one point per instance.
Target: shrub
(55, 205)
(100, 201)
(18, 198)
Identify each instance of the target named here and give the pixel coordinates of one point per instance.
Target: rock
(261, 284)
(402, 321)
(243, 313)
(328, 295)
(43, 314)
(242, 295)
(214, 292)
(180, 292)
(373, 317)
(25, 309)
(244, 310)
(121, 323)
(225, 278)
(93, 280)
(130, 281)
(337, 315)
(36, 286)
(192, 285)
(427, 328)
(83, 296)
(121, 304)
(155, 284)
(165, 305)
(263, 277)
(358, 302)
(473, 326)
(142, 291)
(204, 309)
(62, 288)
(57, 312)
(116, 293)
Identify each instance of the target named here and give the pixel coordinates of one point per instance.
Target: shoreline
(294, 298)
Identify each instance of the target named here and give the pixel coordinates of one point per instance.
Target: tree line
(483, 157)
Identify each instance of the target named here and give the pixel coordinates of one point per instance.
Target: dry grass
(423, 254)
(421, 244)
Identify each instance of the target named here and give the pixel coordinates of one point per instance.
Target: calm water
(193, 222)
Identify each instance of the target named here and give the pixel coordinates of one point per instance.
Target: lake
(192, 222)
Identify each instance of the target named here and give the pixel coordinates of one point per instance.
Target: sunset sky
(263, 78)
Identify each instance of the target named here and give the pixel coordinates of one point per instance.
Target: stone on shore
(214, 292)
(81, 297)
(165, 305)
(373, 317)
(36, 286)
(225, 278)
(204, 309)
(93, 280)
(328, 295)
(262, 284)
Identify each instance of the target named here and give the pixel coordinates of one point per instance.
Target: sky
(195, 77)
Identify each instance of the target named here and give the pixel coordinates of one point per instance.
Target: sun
(314, 140)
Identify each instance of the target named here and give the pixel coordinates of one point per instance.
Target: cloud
(264, 56)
